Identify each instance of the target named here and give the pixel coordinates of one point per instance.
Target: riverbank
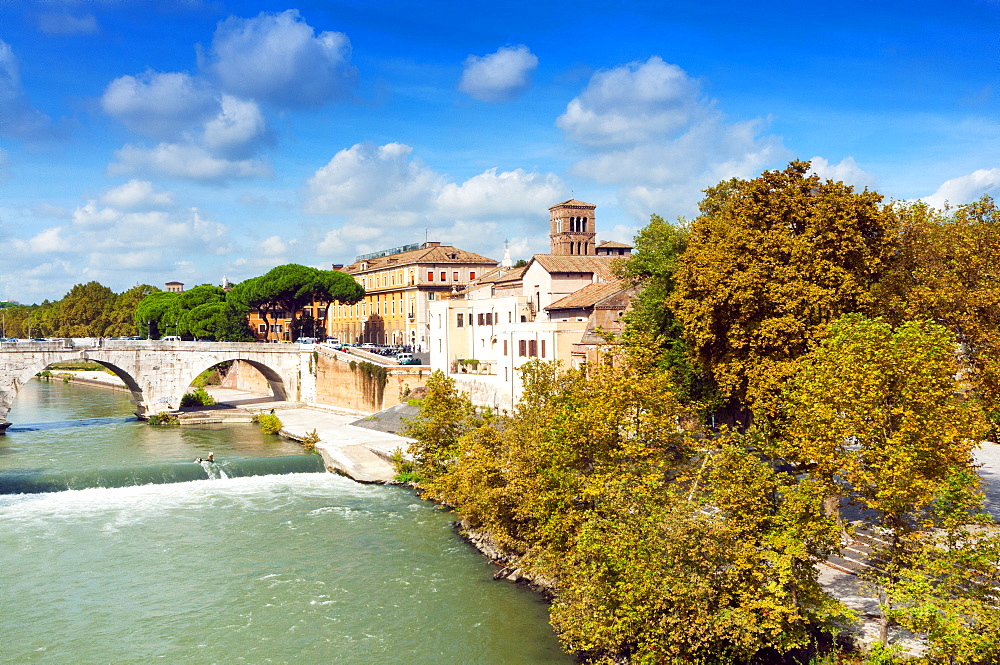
(89, 377)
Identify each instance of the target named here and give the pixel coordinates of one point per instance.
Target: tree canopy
(291, 287)
(769, 263)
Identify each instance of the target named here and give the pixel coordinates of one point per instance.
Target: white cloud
(505, 194)
(378, 183)
(846, 171)
(18, 119)
(278, 58)
(634, 103)
(275, 246)
(67, 24)
(648, 130)
(136, 194)
(92, 217)
(49, 241)
(966, 188)
(188, 162)
(383, 196)
(500, 76)
(162, 105)
(237, 130)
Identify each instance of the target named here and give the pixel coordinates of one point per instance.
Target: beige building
(400, 284)
(549, 309)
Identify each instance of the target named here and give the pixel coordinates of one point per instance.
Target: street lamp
(149, 329)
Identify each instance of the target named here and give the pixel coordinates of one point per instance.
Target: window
(444, 276)
(489, 318)
(505, 349)
(510, 317)
(543, 348)
(262, 328)
(430, 295)
(522, 346)
(481, 319)
(454, 276)
(461, 320)
(430, 275)
(533, 348)
(472, 275)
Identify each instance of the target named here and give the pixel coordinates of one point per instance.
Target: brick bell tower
(572, 228)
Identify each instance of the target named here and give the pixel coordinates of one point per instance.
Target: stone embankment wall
(338, 384)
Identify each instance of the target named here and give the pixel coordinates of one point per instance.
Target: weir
(30, 482)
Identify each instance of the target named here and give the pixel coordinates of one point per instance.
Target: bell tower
(572, 228)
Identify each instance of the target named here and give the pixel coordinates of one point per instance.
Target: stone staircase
(858, 552)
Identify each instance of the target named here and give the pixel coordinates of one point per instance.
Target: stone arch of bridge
(274, 379)
(133, 386)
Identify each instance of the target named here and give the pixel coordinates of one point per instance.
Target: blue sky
(143, 142)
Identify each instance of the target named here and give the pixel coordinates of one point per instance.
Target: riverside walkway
(361, 453)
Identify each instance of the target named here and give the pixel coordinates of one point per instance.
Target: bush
(199, 397)
(269, 423)
(158, 419)
(406, 470)
(312, 438)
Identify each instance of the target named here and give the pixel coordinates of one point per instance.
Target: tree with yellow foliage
(769, 263)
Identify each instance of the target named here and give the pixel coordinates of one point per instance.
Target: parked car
(306, 340)
(10, 340)
(411, 361)
(401, 357)
(171, 338)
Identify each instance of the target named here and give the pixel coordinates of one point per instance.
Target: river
(115, 547)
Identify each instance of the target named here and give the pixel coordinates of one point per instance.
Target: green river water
(115, 547)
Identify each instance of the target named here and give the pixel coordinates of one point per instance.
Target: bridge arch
(274, 379)
(34, 369)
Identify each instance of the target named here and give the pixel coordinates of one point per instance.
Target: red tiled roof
(440, 254)
(588, 296)
(598, 265)
(573, 203)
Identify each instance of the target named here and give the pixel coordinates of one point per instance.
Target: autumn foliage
(851, 345)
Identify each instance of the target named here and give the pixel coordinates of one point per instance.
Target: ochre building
(399, 285)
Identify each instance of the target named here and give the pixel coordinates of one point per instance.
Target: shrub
(198, 397)
(312, 438)
(269, 423)
(406, 470)
(158, 419)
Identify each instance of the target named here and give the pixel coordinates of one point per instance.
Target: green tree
(291, 287)
(445, 415)
(120, 314)
(711, 572)
(872, 414)
(946, 271)
(158, 314)
(770, 262)
(650, 270)
(83, 311)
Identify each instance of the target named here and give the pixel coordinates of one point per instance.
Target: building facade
(400, 285)
(551, 309)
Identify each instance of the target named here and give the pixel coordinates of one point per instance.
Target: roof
(588, 296)
(612, 243)
(440, 254)
(573, 203)
(598, 265)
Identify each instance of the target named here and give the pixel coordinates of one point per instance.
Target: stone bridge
(156, 372)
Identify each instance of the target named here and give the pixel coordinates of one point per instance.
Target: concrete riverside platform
(359, 453)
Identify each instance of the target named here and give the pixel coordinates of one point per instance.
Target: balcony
(473, 366)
